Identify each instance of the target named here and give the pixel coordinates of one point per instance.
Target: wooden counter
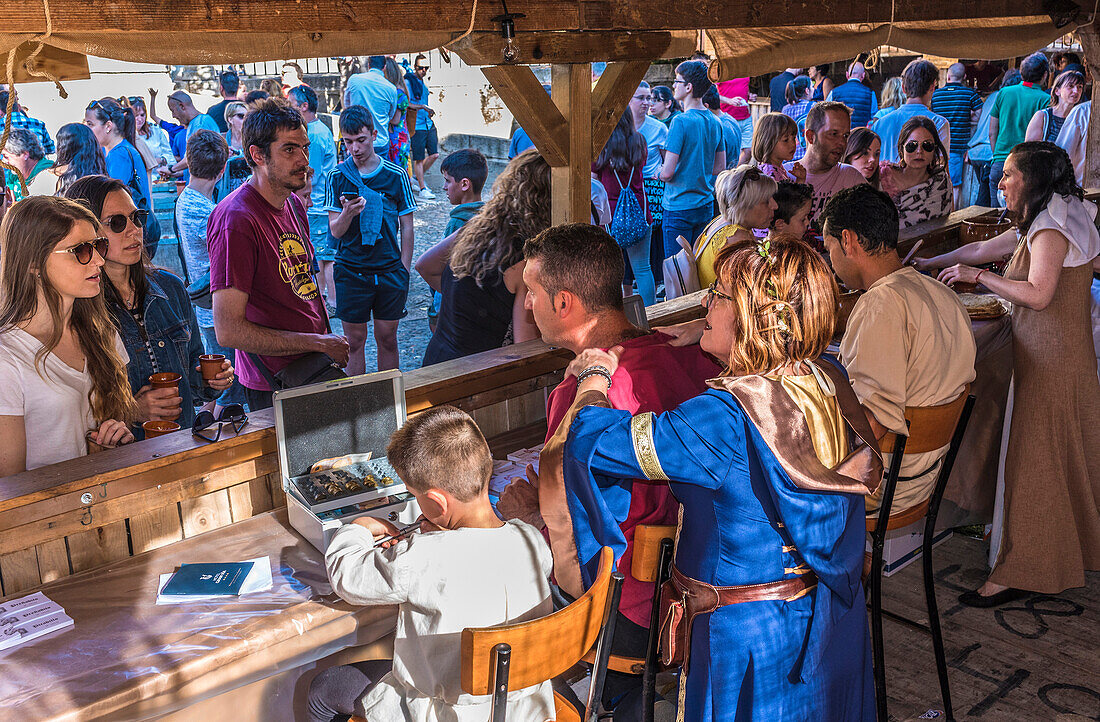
(82, 514)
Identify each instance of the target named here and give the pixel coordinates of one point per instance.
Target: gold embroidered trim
(641, 434)
(801, 569)
(789, 549)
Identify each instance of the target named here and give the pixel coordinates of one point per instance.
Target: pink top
(776, 172)
(736, 88)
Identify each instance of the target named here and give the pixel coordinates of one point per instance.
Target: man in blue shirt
(20, 119)
(322, 159)
(425, 140)
(777, 88)
(694, 154)
(857, 96)
(961, 106)
(378, 95)
(183, 109)
(369, 205)
(918, 80)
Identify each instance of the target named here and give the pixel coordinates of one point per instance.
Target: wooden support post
(611, 96)
(1089, 35)
(533, 109)
(571, 186)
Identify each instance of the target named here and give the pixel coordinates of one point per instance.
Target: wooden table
(128, 659)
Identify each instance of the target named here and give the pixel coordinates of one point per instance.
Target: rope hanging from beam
(31, 66)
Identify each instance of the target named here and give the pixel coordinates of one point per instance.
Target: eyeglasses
(95, 103)
(421, 67)
(117, 222)
(713, 293)
(928, 145)
(674, 82)
(83, 251)
(643, 98)
(233, 414)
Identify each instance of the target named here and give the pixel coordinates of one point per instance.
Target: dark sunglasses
(117, 222)
(233, 414)
(928, 145)
(83, 251)
(421, 67)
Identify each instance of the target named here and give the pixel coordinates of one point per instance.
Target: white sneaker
(426, 194)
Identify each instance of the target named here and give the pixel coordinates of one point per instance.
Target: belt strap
(702, 597)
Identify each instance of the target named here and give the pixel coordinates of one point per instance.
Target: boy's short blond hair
(442, 448)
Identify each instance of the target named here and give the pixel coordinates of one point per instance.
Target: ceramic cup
(159, 428)
(211, 364)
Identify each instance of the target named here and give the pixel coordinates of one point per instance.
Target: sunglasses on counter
(83, 251)
(928, 146)
(117, 222)
(233, 415)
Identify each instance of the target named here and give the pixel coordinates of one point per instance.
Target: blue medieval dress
(758, 506)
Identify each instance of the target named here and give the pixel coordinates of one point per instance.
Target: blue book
(221, 579)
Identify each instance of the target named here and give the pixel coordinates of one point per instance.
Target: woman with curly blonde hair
(62, 361)
(770, 465)
(479, 268)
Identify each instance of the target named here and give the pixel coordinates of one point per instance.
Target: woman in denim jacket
(151, 309)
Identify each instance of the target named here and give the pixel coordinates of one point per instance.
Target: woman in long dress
(771, 468)
(1051, 530)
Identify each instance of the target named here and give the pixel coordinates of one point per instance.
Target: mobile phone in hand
(350, 196)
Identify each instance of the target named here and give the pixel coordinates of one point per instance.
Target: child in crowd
(466, 569)
(792, 213)
(464, 174)
(773, 144)
(370, 204)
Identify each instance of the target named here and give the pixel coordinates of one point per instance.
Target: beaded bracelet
(595, 371)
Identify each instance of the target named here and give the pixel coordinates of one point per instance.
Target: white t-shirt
(52, 398)
(444, 582)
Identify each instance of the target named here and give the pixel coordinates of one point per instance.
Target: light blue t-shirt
(193, 211)
(696, 137)
(379, 96)
(731, 139)
(888, 127)
(979, 141)
(202, 121)
(423, 122)
(656, 137)
(124, 163)
(322, 159)
(520, 142)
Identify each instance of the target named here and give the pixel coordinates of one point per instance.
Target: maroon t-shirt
(265, 252)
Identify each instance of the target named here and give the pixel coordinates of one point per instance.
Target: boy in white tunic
(467, 569)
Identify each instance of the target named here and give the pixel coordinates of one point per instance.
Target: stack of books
(30, 617)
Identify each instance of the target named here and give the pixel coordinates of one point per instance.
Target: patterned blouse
(922, 202)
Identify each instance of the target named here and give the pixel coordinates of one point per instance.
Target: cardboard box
(902, 546)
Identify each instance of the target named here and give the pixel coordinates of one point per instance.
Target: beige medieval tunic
(1051, 532)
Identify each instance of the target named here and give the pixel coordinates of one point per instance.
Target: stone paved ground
(429, 221)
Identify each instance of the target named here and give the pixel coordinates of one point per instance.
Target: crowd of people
(739, 422)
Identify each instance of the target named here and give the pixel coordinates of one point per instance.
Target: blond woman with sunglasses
(62, 362)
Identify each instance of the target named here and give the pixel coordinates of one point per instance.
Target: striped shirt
(956, 102)
(34, 125)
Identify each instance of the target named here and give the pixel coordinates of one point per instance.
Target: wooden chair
(930, 428)
(528, 653)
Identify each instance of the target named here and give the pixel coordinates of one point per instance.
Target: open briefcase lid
(346, 416)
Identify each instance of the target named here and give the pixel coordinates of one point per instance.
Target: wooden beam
(574, 47)
(1089, 36)
(571, 185)
(533, 109)
(611, 96)
(319, 16)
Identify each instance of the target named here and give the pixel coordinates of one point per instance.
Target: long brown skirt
(1052, 467)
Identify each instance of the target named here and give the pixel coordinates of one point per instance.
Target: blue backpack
(628, 225)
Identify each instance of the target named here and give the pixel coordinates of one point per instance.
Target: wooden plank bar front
(80, 514)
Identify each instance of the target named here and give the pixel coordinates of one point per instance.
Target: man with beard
(266, 302)
(828, 125)
(370, 205)
(574, 291)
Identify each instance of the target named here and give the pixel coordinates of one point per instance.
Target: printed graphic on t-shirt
(294, 266)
